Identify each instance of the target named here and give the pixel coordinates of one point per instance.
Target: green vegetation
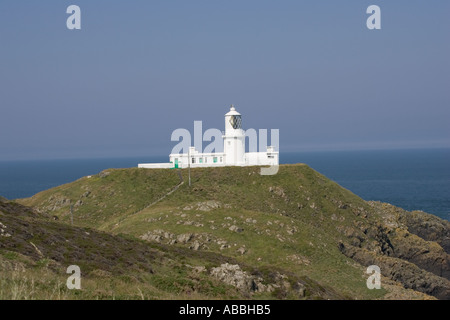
(285, 233)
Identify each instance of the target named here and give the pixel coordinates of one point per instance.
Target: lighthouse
(234, 139)
(233, 151)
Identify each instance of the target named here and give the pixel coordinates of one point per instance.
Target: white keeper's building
(234, 151)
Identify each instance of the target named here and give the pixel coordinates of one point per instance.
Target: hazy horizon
(165, 157)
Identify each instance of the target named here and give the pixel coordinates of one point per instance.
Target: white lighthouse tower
(234, 139)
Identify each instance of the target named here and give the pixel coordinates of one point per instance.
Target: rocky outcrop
(279, 191)
(194, 241)
(417, 237)
(278, 283)
(427, 255)
(405, 248)
(104, 174)
(407, 273)
(207, 206)
(3, 231)
(428, 227)
(56, 202)
(232, 274)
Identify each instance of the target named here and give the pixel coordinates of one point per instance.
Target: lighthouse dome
(233, 112)
(233, 120)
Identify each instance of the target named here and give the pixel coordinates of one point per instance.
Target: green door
(176, 163)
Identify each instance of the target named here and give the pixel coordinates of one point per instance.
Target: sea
(410, 179)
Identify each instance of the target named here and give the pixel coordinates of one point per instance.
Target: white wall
(201, 159)
(261, 159)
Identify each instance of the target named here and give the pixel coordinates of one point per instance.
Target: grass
(291, 222)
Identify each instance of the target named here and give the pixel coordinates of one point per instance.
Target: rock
(407, 273)
(393, 237)
(235, 229)
(208, 205)
(152, 237)
(158, 236)
(232, 274)
(425, 254)
(161, 236)
(279, 192)
(241, 250)
(195, 246)
(3, 232)
(199, 269)
(298, 259)
(291, 230)
(57, 202)
(78, 203)
(428, 227)
(301, 289)
(185, 238)
(104, 174)
(168, 235)
(86, 194)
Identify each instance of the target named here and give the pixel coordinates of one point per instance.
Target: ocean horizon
(411, 179)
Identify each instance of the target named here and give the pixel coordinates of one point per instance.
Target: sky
(138, 70)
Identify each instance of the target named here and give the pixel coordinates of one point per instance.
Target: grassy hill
(293, 235)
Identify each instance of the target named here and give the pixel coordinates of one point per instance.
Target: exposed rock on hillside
(408, 274)
(233, 275)
(403, 256)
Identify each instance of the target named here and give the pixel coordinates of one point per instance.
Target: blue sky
(137, 70)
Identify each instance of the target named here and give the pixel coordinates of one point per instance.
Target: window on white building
(193, 160)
